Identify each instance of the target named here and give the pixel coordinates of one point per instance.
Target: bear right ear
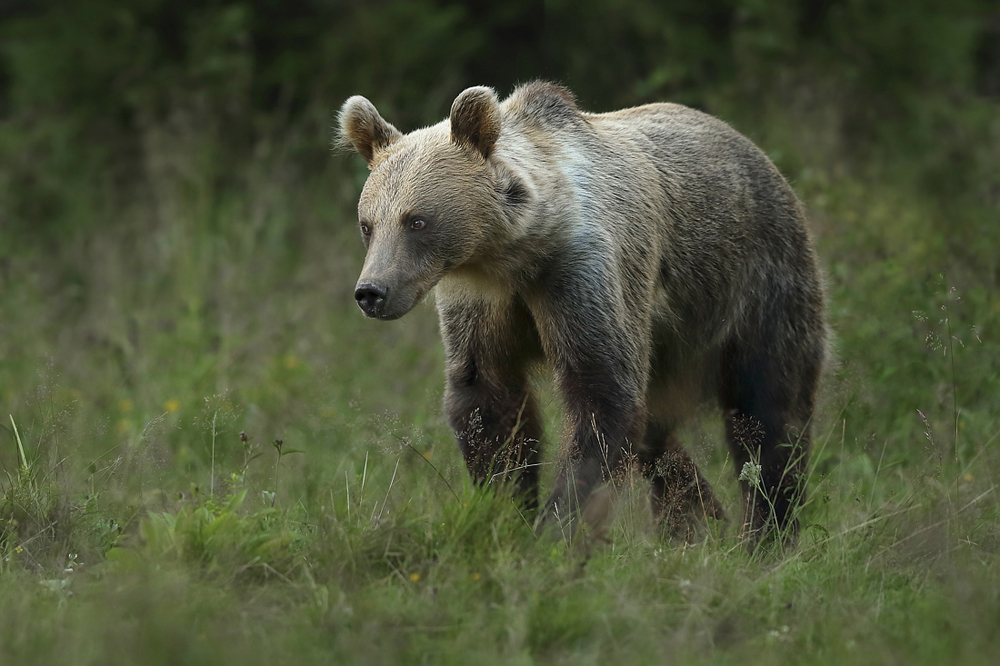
(363, 127)
(475, 119)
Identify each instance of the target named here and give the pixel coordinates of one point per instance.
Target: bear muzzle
(379, 301)
(371, 299)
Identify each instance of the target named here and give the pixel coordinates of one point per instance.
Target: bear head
(435, 200)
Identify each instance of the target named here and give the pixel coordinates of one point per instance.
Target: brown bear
(653, 257)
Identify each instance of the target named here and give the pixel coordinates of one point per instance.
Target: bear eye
(417, 225)
(365, 230)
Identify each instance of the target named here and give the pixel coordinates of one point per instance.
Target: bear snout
(371, 298)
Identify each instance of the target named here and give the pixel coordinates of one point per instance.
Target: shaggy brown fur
(653, 257)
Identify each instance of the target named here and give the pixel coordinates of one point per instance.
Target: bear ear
(364, 129)
(475, 119)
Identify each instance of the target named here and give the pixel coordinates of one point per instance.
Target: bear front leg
(606, 417)
(488, 401)
(606, 420)
(595, 331)
(498, 431)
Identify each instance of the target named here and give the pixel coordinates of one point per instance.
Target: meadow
(210, 456)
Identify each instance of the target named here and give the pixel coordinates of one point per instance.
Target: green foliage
(214, 536)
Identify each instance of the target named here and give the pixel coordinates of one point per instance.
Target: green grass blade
(20, 446)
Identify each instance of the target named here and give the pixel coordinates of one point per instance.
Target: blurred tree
(82, 81)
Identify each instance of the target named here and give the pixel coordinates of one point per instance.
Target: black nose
(371, 298)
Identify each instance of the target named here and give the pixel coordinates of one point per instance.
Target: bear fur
(653, 257)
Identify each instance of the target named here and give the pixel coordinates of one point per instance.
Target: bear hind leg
(767, 416)
(681, 498)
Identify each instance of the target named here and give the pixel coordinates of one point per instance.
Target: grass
(388, 566)
(214, 458)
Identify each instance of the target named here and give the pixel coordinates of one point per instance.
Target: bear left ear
(363, 127)
(475, 119)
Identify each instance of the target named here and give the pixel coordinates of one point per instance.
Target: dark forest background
(906, 87)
